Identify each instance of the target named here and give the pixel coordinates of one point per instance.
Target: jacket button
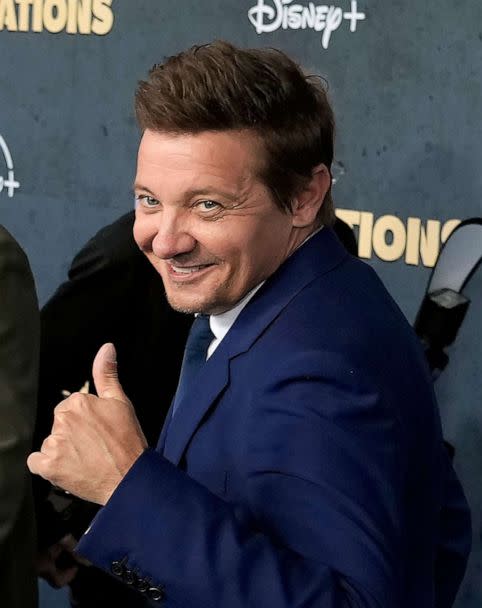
(129, 577)
(156, 594)
(142, 585)
(117, 568)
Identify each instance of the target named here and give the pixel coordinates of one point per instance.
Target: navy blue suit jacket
(306, 469)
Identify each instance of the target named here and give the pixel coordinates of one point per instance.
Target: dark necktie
(198, 341)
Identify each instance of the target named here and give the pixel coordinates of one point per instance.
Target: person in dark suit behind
(302, 463)
(19, 342)
(112, 294)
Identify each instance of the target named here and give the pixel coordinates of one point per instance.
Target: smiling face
(206, 222)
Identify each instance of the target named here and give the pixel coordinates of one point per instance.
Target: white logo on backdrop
(8, 183)
(271, 15)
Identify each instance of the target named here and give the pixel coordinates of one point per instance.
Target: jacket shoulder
(111, 246)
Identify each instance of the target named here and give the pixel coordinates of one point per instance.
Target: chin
(194, 305)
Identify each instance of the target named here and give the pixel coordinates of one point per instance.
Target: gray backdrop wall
(405, 80)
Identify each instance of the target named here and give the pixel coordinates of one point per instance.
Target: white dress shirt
(222, 323)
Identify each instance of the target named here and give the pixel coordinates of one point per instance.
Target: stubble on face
(176, 297)
(229, 250)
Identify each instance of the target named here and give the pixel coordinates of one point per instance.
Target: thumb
(104, 372)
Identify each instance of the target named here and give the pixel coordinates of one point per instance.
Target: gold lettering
(73, 16)
(365, 235)
(414, 240)
(430, 243)
(55, 15)
(389, 251)
(37, 16)
(24, 14)
(412, 252)
(71, 27)
(448, 228)
(8, 16)
(103, 17)
(80, 17)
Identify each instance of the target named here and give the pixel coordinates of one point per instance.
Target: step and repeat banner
(405, 82)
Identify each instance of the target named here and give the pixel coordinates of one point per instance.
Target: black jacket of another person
(19, 340)
(113, 295)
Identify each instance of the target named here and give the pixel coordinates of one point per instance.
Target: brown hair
(217, 87)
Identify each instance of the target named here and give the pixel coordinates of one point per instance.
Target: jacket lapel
(319, 255)
(161, 442)
(211, 380)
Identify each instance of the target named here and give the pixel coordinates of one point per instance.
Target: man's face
(204, 219)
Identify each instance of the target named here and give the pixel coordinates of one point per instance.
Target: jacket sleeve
(19, 337)
(323, 493)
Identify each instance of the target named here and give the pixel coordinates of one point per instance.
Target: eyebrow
(206, 191)
(136, 186)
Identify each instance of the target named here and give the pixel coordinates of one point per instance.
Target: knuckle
(47, 470)
(52, 446)
(48, 443)
(71, 405)
(62, 407)
(81, 401)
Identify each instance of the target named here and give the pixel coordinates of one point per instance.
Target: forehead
(224, 156)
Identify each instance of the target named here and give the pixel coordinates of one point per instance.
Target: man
(302, 464)
(19, 337)
(130, 310)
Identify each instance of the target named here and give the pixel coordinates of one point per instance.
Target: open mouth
(185, 272)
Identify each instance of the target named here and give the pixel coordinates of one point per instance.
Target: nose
(166, 234)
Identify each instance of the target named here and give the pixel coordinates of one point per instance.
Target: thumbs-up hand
(94, 440)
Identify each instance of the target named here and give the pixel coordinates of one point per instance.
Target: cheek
(244, 262)
(263, 253)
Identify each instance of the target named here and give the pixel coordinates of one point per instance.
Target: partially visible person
(112, 294)
(19, 341)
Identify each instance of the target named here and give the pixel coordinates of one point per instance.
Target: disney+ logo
(8, 183)
(271, 15)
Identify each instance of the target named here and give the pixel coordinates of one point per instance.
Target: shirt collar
(222, 323)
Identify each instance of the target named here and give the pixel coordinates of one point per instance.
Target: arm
(19, 336)
(319, 525)
(333, 498)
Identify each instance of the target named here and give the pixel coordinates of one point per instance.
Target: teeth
(186, 270)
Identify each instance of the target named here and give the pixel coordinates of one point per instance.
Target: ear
(307, 203)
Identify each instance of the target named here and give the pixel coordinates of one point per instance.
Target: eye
(208, 205)
(146, 201)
